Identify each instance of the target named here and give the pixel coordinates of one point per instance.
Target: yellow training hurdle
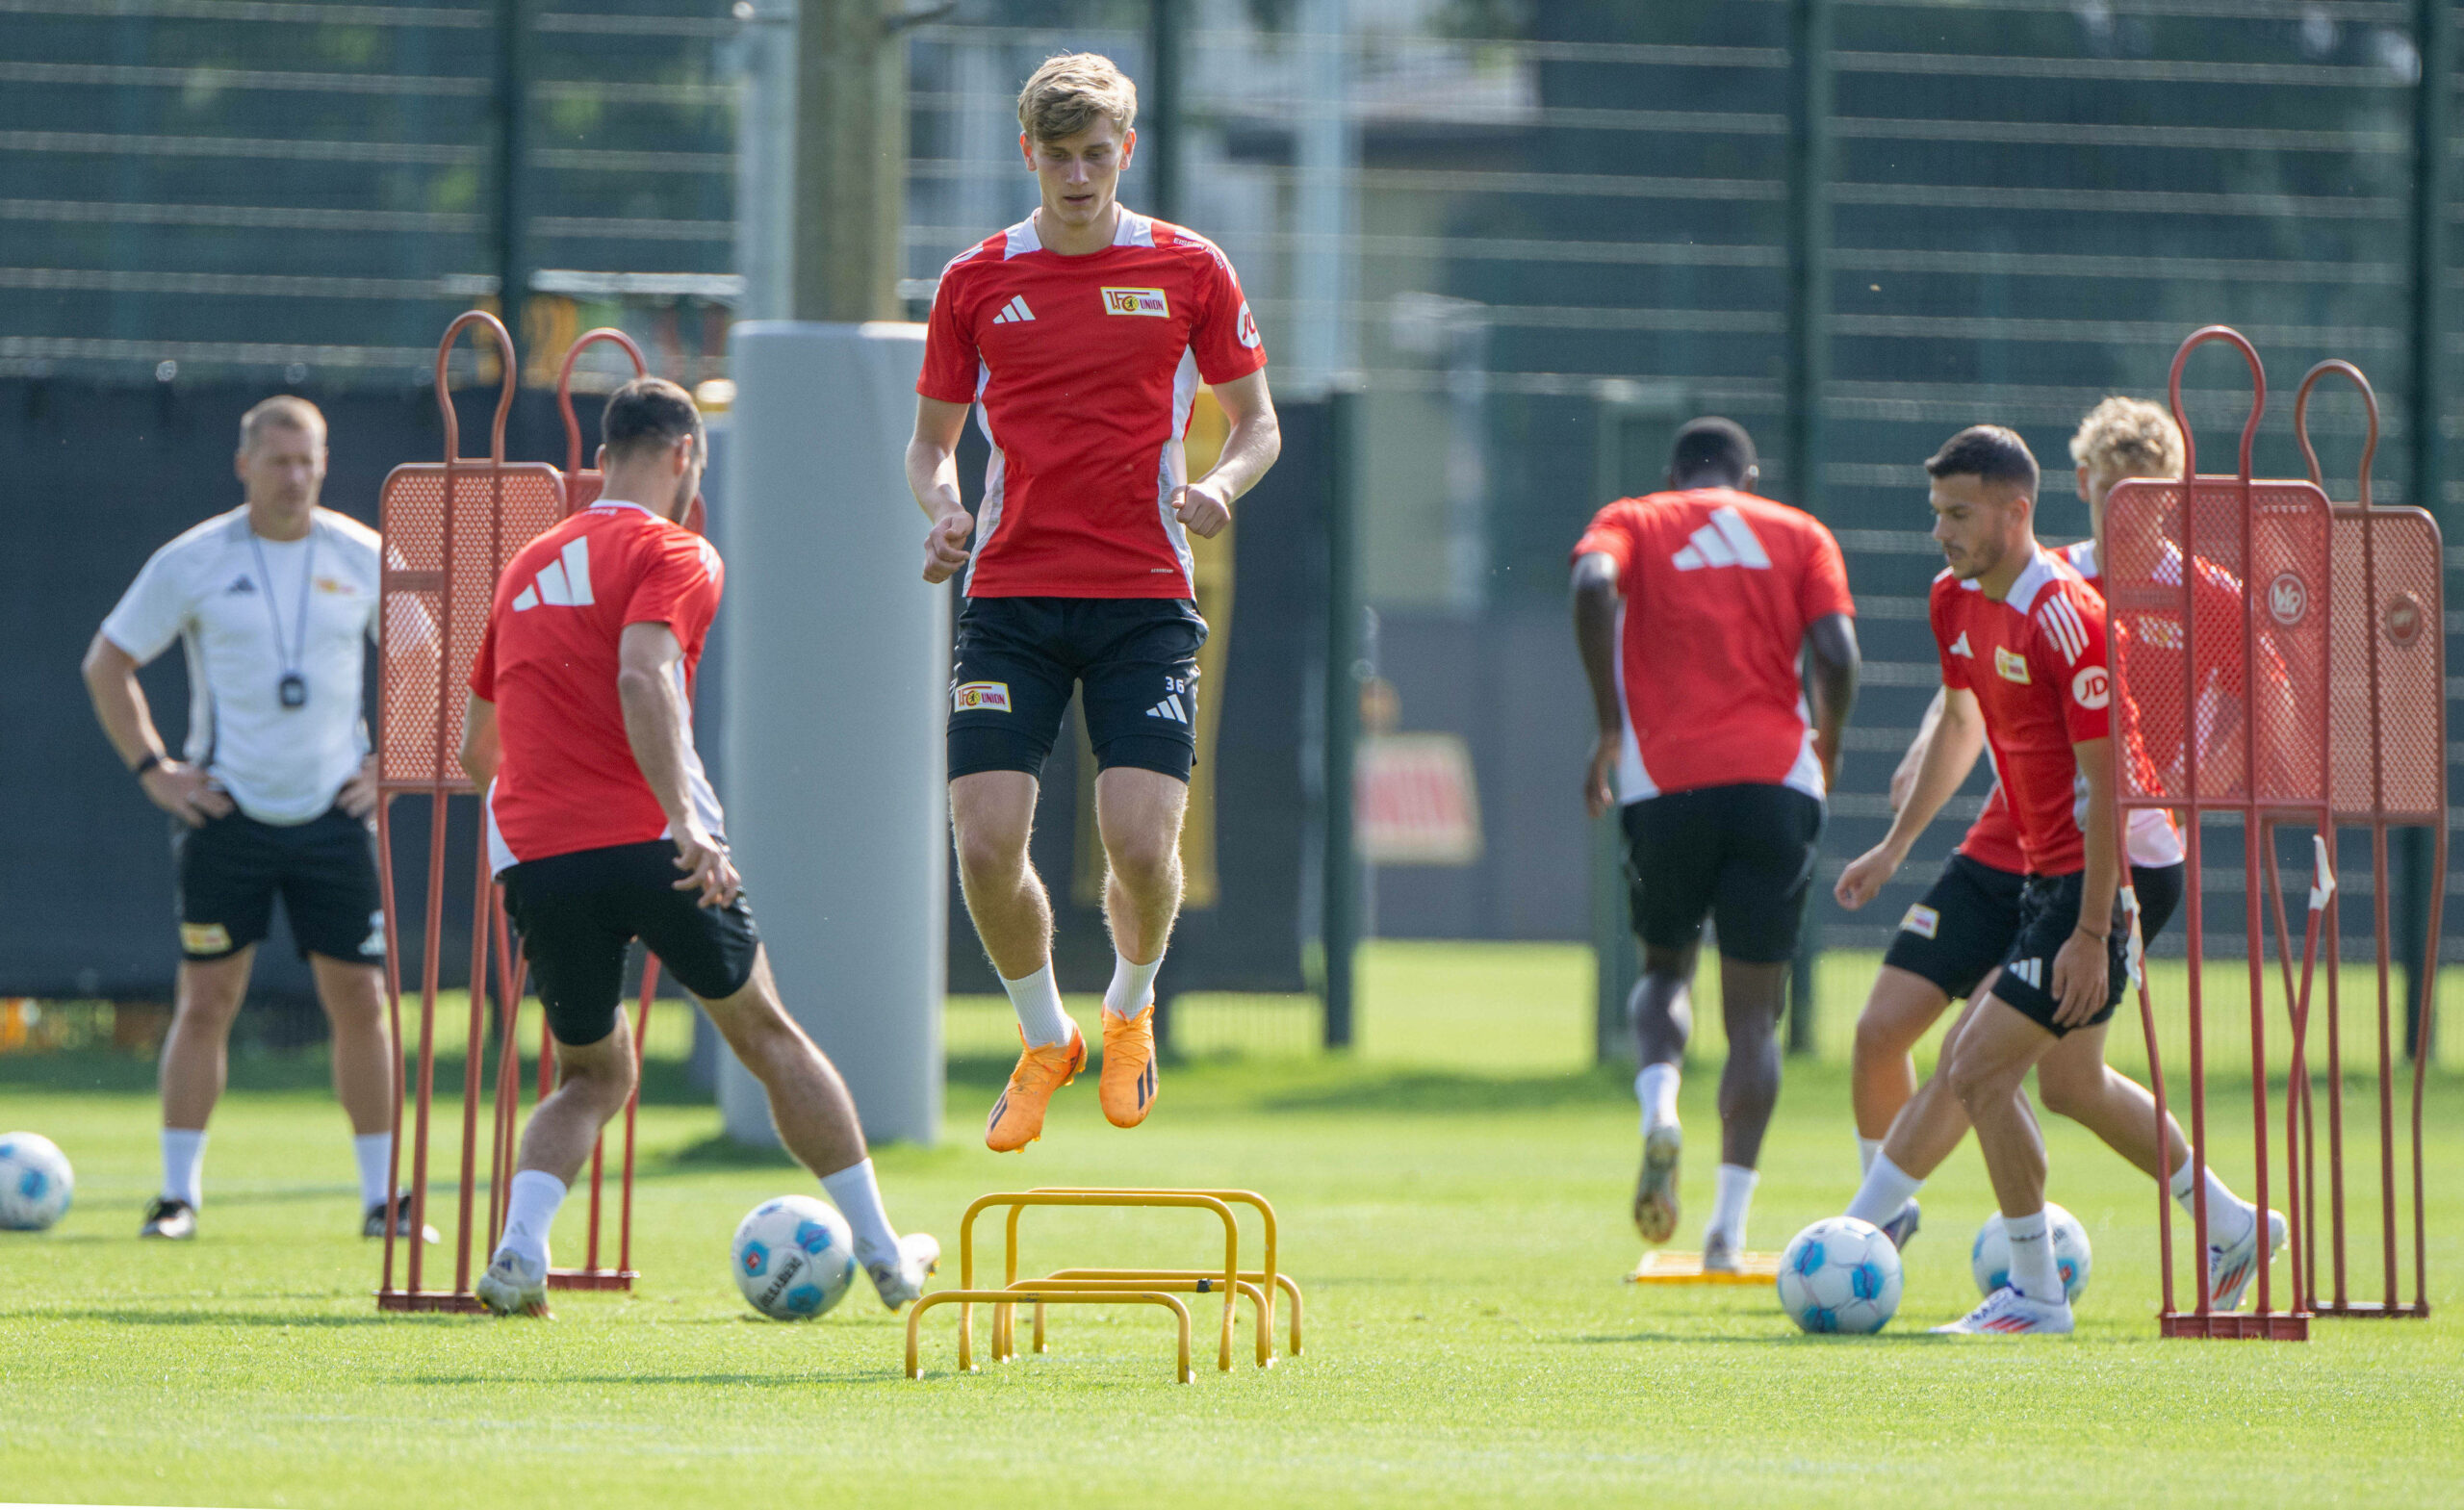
(1263, 1286)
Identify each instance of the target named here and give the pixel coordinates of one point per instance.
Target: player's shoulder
(1772, 514)
(2059, 603)
(2080, 555)
(349, 533)
(206, 539)
(1145, 230)
(974, 264)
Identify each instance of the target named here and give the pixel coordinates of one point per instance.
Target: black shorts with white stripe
(1133, 662)
(2048, 915)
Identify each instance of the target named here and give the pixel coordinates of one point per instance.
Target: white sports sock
(1126, 996)
(184, 1165)
(375, 1152)
(2032, 1269)
(1887, 1189)
(2229, 1218)
(1868, 1149)
(1037, 999)
(1656, 1088)
(1728, 1208)
(858, 1195)
(529, 1211)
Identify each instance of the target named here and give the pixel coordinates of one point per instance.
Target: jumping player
(1948, 945)
(580, 733)
(1083, 331)
(1691, 608)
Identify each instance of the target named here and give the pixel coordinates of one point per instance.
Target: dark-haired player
(580, 733)
(1949, 944)
(1691, 609)
(1083, 331)
(2022, 640)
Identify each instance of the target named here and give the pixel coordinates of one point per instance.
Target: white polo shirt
(221, 592)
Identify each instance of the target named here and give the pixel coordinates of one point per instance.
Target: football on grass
(1989, 1260)
(35, 1182)
(1840, 1275)
(794, 1258)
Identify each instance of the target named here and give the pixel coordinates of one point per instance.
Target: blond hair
(282, 411)
(1063, 97)
(2128, 438)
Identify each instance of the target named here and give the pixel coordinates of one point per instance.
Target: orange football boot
(1129, 1065)
(1017, 1117)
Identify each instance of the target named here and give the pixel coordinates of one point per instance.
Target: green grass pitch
(1454, 1198)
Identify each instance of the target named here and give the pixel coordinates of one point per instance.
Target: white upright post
(837, 662)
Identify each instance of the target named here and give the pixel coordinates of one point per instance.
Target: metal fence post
(1808, 370)
(1339, 931)
(2434, 38)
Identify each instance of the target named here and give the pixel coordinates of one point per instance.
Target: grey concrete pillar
(837, 664)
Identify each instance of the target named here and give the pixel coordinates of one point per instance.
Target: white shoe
(514, 1286)
(1656, 1187)
(2007, 1313)
(1719, 1255)
(2230, 1267)
(901, 1279)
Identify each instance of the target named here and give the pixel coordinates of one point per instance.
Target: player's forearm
(1911, 762)
(657, 729)
(932, 476)
(1832, 684)
(1938, 775)
(2098, 835)
(1595, 614)
(120, 704)
(1255, 441)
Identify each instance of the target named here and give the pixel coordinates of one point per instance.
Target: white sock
(1126, 996)
(184, 1165)
(1656, 1088)
(1037, 999)
(529, 1211)
(1868, 1149)
(2229, 1218)
(1728, 1208)
(375, 1152)
(1887, 1189)
(858, 1195)
(2032, 1269)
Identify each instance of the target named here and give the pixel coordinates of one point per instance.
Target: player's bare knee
(1146, 864)
(991, 855)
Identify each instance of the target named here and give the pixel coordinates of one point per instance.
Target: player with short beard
(1949, 945)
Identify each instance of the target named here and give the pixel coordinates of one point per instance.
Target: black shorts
(579, 913)
(1741, 854)
(324, 869)
(2048, 915)
(1135, 660)
(1969, 918)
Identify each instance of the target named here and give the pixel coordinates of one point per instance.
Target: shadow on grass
(83, 1071)
(734, 1381)
(139, 1315)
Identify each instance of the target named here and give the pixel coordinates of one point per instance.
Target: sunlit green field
(1452, 1197)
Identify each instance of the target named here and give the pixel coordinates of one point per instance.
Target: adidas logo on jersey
(1169, 709)
(1725, 541)
(563, 584)
(1013, 310)
(2031, 971)
(241, 584)
(1959, 646)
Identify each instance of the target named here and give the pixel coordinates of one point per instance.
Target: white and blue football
(36, 1182)
(1840, 1275)
(794, 1258)
(1989, 1259)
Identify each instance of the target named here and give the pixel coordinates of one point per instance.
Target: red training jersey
(1719, 588)
(2036, 661)
(1085, 369)
(567, 780)
(1993, 839)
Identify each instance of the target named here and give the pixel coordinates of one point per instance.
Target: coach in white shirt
(273, 604)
